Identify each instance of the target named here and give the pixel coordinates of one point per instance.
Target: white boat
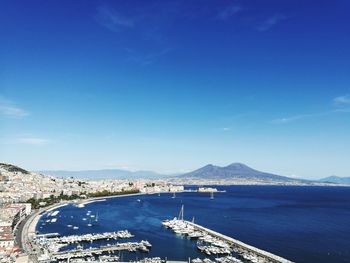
(75, 227)
(55, 213)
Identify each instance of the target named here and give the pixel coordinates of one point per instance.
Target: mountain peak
(238, 165)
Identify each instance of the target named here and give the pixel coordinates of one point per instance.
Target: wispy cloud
(33, 141)
(228, 12)
(226, 129)
(270, 22)
(342, 100)
(294, 118)
(146, 59)
(9, 109)
(290, 119)
(112, 20)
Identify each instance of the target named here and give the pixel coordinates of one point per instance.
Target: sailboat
(96, 218)
(174, 195)
(211, 195)
(89, 223)
(181, 213)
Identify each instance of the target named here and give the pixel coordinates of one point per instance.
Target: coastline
(29, 228)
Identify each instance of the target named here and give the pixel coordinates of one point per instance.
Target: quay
(219, 243)
(236, 243)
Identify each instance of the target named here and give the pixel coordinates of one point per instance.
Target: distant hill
(12, 168)
(233, 171)
(104, 174)
(336, 180)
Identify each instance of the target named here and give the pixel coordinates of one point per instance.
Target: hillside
(336, 180)
(12, 168)
(105, 174)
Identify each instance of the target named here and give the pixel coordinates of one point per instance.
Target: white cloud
(270, 22)
(226, 129)
(111, 19)
(9, 109)
(33, 141)
(341, 100)
(228, 12)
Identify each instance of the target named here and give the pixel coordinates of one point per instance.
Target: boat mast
(181, 214)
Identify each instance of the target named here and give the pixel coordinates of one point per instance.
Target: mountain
(234, 171)
(336, 180)
(104, 174)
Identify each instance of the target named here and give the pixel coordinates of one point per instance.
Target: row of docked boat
(214, 250)
(142, 246)
(182, 227)
(150, 260)
(217, 246)
(226, 259)
(92, 237)
(253, 258)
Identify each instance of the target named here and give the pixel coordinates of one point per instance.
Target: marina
(51, 246)
(213, 243)
(232, 214)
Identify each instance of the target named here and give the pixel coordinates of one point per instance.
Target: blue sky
(173, 85)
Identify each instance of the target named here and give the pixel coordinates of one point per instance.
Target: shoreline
(29, 228)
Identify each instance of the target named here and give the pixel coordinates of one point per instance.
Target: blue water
(303, 224)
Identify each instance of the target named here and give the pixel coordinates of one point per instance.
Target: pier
(213, 243)
(240, 245)
(142, 246)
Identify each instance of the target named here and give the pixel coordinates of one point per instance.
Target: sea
(305, 224)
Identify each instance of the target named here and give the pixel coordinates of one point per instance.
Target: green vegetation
(13, 168)
(107, 193)
(43, 202)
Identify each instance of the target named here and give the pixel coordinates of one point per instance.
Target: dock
(213, 243)
(239, 244)
(129, 246)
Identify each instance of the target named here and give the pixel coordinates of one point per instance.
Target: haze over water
(303, 224)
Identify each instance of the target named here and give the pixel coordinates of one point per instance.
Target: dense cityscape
(21, 191)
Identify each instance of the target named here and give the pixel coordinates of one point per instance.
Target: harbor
(213, 243)
(52, 247)
(92, 243)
